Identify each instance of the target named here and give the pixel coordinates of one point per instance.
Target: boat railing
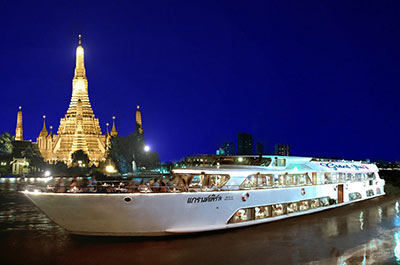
(117, 188)
(114, 187)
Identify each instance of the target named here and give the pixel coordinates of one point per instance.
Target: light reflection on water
(362, 233)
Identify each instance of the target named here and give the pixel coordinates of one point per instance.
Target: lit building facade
(282, 149)
(79, 129)
(227, 149)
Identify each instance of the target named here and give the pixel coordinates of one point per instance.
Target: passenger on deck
(170, 185)
(155, 186)
(163, 186)
(143, 187)
(59, 186)
(92, 184)
(85, 185)
(131, 187)
(73, 187)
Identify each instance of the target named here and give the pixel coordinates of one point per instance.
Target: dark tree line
(125, 150)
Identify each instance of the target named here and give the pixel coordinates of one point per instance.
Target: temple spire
(80, 60)
(139, 126)
(18, 129)
(113, 130)
(44, 130)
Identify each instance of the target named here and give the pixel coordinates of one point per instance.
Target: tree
(81, 156)
(124, 150)
(6, 146)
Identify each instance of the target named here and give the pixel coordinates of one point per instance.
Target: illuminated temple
(79, 129)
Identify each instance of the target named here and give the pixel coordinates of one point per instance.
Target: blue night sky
(322, 76)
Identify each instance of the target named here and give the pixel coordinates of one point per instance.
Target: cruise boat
(234, 192)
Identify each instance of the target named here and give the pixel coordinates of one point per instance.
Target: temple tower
(18, 129)
(79, 129)
(139, 126)
(114, 132)
(42, 138)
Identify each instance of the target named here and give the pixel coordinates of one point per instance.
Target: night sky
(322, 76)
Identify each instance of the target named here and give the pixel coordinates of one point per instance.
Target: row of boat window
(266, 211)
(356, 195)
(270, 180)
(262, 212)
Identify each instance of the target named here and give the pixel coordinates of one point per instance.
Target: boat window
(314, 203)
(324, 201)
(262, 212)
(303, 179)
(308, 179)
(348, 177)
(266, 211)
(195, 181)
(342, 177)
(277, 181)
(269, 179)
(241, 215)
(335, 177)
(280, 162)
(364, 177)
(358, 177)
(291, 180)
(292, 207)
(253, 161)
(257, 181)
(249, 182)
(321, 178)
(371, 176)
(278, 209)
(328, 178)
(378, 191)
(314, 178)
(304, 205)
(354, 196)
(370, 193)
(216, 180)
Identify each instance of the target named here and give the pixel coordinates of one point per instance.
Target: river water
(362, 233)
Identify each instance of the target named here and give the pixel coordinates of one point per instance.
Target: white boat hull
(156, 214)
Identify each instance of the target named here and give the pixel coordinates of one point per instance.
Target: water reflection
(361, 233)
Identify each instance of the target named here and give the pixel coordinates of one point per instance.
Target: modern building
(282, 149)
(229, 148)
(244, 144)
(259, 148)
(79, 129)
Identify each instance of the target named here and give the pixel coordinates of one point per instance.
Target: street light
(110, 169)
(147, 148)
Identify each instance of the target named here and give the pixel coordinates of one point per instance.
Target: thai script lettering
(209, 198)
(344, 166)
